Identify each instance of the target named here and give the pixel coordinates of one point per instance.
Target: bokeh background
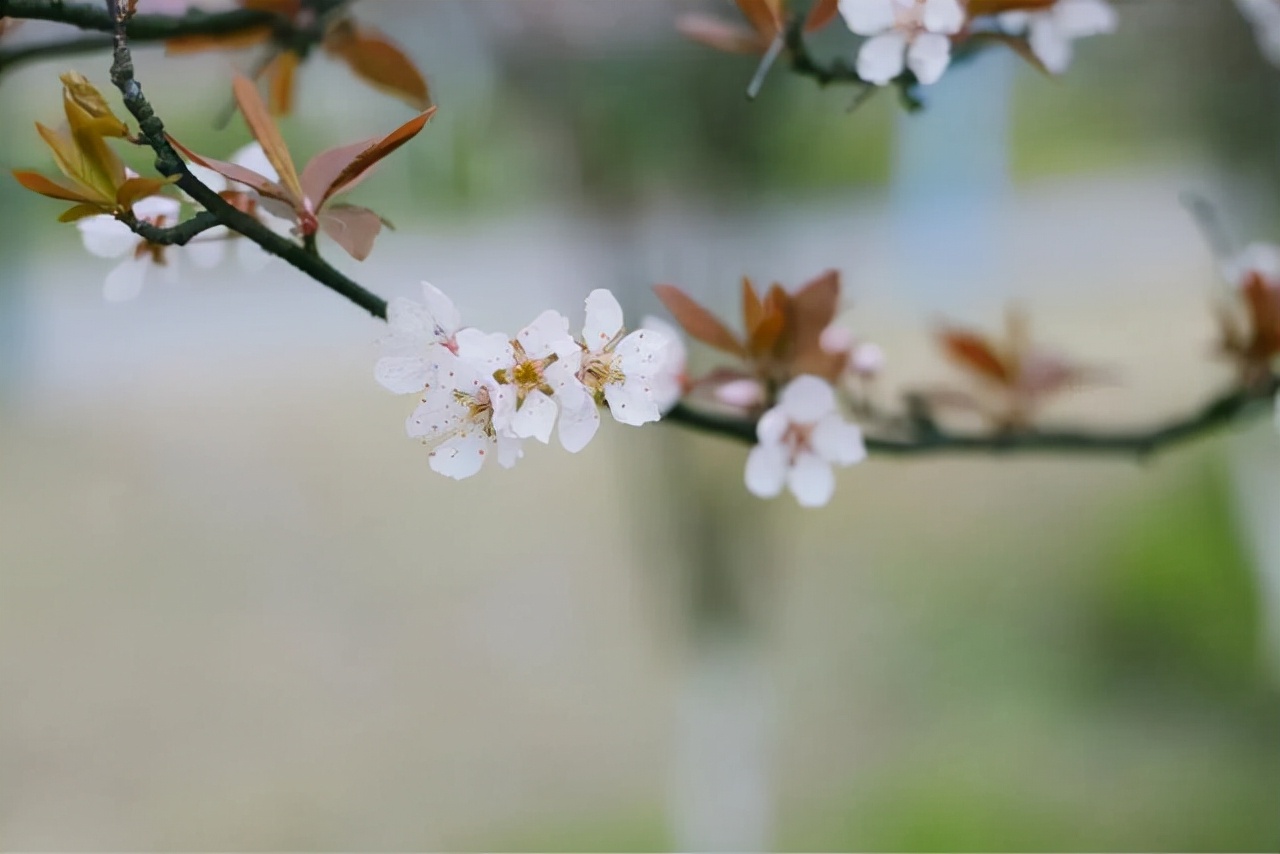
(238, 611)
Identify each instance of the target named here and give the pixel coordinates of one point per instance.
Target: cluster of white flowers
(107, 237)
(917, 34)
(483, 394)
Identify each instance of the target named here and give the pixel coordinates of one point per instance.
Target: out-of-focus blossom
(1050, 32)
(902, 34)
(800, 440)
(108, 237)
(1264, 16)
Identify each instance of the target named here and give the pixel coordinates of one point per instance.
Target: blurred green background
(238, 612)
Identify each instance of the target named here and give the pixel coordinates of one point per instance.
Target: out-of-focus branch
(1231, 407)
(152, 131)
(154, 27)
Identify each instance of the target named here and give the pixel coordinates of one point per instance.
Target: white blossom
(800, 440)
(1264, 16)
(457, 414)
(912, 34)
(108, 237)
(416, 328)
(610, 366)
(528, 367)
(863, 359)
(1260, 259)
(1051, 31)
(669, 381)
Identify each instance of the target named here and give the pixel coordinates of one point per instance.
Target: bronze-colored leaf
(765, 16)
(71, 163)
(813, 307)
(720, 35)
(378, 61)
(972, 352)
(239, 40)
(134, 189)
(821, 13)
(281, 76)
(81, 211)
(264, 130)
(37, 183)
(352, 227)
(242, 175)
(90, 100)
(977, 8)
(752, 307)
(331, 176)
(697, 321)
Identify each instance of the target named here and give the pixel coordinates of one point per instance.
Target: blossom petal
(547, 334)
(806, 399)
(603, 319)
(929, 56)
(838, 441)
(126, 280)
(766, 471)
(642, 353)
(631, 402)
(1050, 45)
(942, 16)
(155, 208)
(460, 457)
(106, 236)
(578, 425)
(562, 376)
(1080, 18)
(743, 394)
(811, 480)
(881, 58)
(510, 449)
(488, 351)
(772, 426)
(447, 318)
(403, 374)
(535, 417)
(867, 17)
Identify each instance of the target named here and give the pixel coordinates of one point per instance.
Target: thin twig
(168, 163)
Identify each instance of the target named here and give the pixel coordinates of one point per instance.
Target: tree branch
(18, 54)
(155, 27)
(1228, 408)
(920, 439)
(169, 163)
(176, 235)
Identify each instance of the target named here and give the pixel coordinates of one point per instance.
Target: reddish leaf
(250, 37)
(720, 35)
(379, 62)
(330, 176)
(241, 175)
(264, 130)
(813, 307)
(978, 8)
(821, 13)
(353, 228)
(973, 353)
(281, 75)
(752, 308)
(37, 183)
(765, 16)
(697, 321)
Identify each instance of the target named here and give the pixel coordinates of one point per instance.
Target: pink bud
(743, 394)
(836, 339)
